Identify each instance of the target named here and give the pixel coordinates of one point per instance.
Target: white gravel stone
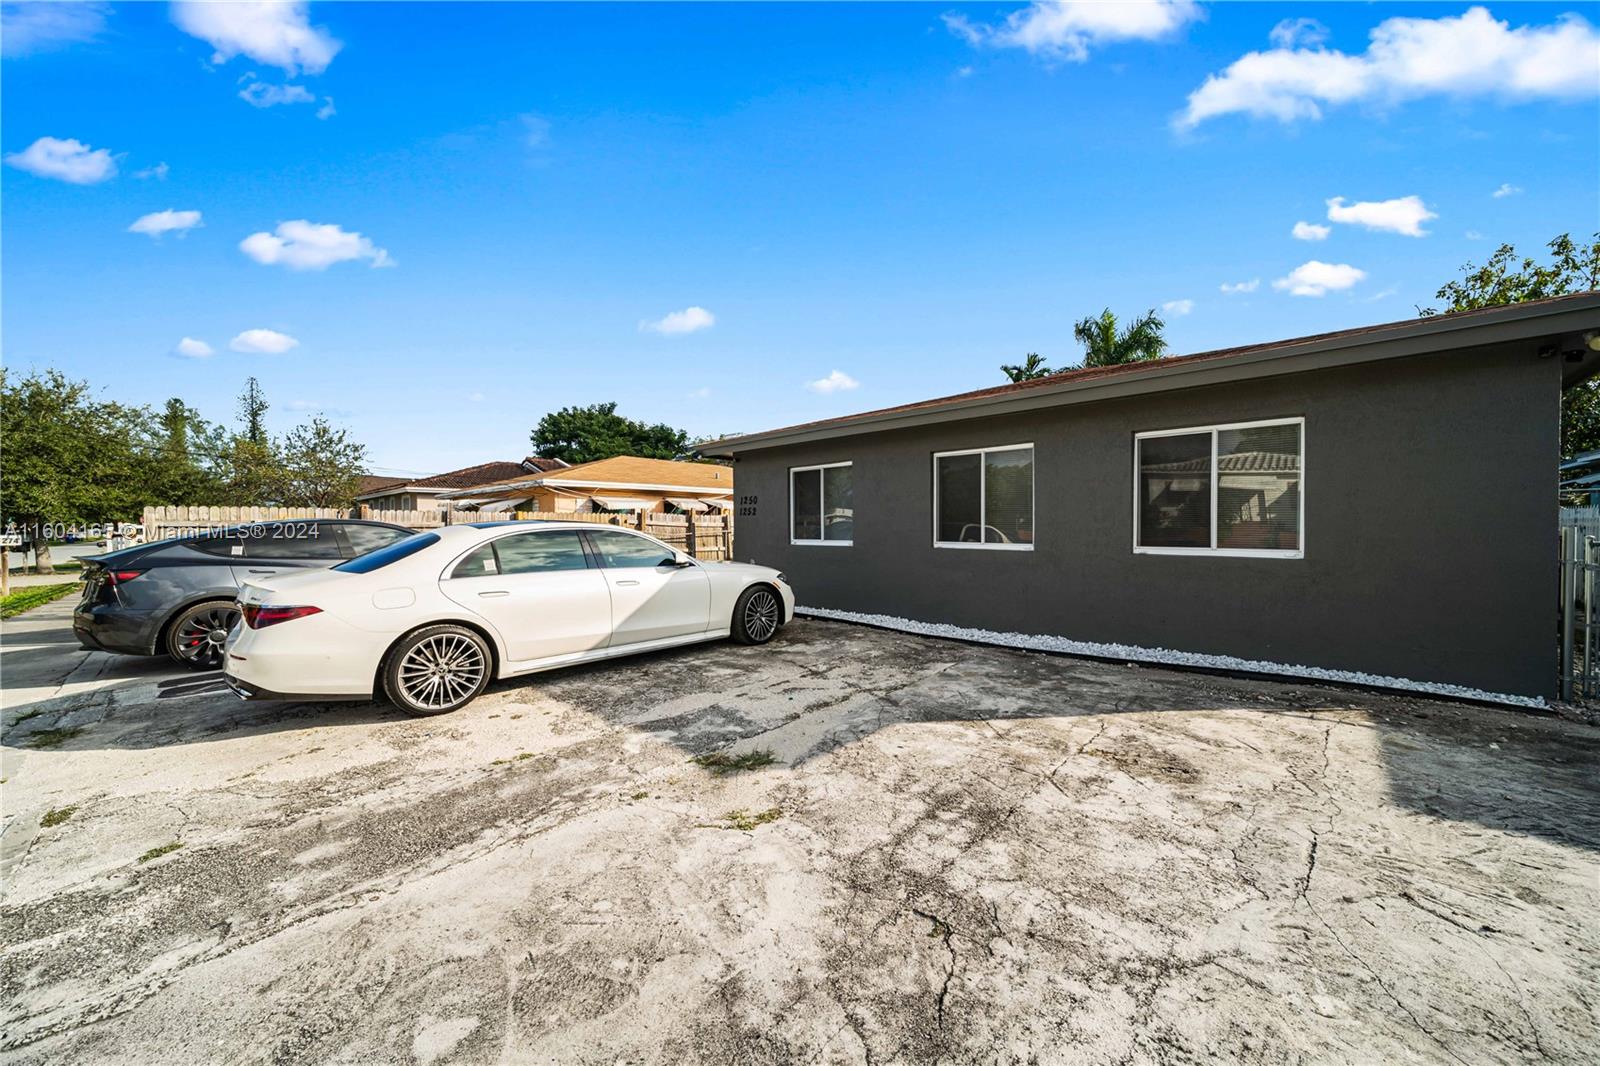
(1166, 656)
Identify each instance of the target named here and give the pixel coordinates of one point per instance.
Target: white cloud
(1316, 278)
(26, 29)
(261, 94)
(1310, 231)
(476, 397)
(1472, 54)
(327, 110)
(837, 381)
(278, 34)
(963, 72)
(535, 130)
(1404, 215)
(1302, 32)
(159, 172)
(302, 245)
(1506, 189)
(1178, 308)
(263, 342)
(689, 320)
(190, 348)
(1064, 29)
(1473, 235)
(158, 222)
(702, 393)
(1240, 286)
(67, 160)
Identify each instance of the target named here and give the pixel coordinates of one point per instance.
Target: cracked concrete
(982, 854)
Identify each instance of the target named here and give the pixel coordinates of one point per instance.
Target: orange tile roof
(628, 470)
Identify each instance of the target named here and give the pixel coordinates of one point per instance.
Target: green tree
(584, 434)
(320, 466)
(1031, 367)
(1503, 280)
(185, 457)
(1105, 345)
(253, 411)
(69, 458)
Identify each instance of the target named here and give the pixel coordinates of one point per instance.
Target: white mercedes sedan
(431, 619)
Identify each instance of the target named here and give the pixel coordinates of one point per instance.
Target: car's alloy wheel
(438, 670)
(757, 615)
(197, 636)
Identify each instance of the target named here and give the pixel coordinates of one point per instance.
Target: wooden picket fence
(707, 537)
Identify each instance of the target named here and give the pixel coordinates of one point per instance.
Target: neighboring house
(622, 483)
(1378, 500)
(426, 494)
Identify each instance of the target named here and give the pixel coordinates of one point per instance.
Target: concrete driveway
(959, 853)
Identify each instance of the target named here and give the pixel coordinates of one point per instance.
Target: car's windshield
(365, 564)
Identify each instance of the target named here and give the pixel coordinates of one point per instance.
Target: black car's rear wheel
(196, 636)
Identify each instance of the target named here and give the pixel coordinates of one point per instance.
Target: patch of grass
(52, 738)
(641, 795)
(156, 853)
(34, 596)
(744, 820)
(524, 755)
(53, 818)
(499, 762)
(722, 764)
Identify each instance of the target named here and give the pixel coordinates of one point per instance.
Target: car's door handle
(630, 582)
(495, 592)
(254, 571)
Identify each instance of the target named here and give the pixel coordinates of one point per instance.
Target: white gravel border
(1166, 657)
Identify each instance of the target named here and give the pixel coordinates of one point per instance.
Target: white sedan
(430, 619)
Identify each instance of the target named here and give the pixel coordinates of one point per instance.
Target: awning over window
(497, 506)
(683, 503)
(721, 503)
(620, 503)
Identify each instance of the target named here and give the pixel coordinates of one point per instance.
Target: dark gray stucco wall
(1429, 526)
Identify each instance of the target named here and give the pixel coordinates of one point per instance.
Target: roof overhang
(586, 486)
(1561, 325)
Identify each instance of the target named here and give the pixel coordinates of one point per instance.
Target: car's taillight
(121, 577)
(258, 617)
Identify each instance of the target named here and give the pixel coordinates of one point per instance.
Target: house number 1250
(747, 506)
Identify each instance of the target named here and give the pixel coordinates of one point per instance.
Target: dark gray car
(177, 596)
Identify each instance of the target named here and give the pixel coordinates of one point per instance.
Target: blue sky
(500, 205)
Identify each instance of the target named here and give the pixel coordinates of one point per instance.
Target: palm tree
(1032, 367)
(1104, 345)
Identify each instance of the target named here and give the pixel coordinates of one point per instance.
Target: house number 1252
(747, 506)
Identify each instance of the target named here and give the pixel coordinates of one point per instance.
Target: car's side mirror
(681, 560)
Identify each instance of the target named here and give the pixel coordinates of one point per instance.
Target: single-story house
(1374, 501)
(425, 494)
(620, 484)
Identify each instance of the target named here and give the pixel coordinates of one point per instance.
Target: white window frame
(1215, 431)
(983, 497)
(822, 502)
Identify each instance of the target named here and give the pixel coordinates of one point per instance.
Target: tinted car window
(225, 542)
(624, 550)
(538, 553)
(293, 540)
(478, 564)
(365, 539)
(371, 561)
